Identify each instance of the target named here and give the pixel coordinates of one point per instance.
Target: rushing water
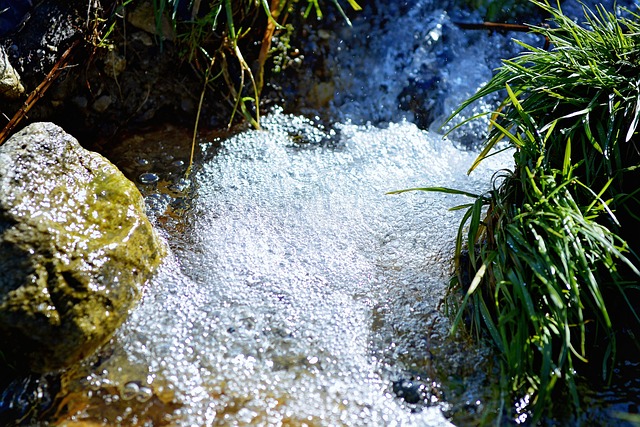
(298, 292)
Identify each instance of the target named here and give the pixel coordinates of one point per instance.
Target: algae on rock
(75, 249)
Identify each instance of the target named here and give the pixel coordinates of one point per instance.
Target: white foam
(266, 313)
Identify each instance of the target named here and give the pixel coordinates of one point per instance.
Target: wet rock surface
(10, 84)
(75, 249)
(120, 74)
(35, 37)
(28, 397)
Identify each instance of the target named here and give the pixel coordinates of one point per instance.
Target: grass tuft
(213, 37)
(552, 254)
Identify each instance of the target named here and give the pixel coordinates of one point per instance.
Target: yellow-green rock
(75, 249)
(10, 84)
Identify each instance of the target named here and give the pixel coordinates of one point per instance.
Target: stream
(297, 291)
(301, 293)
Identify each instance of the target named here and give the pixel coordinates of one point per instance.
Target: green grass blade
(437, 190)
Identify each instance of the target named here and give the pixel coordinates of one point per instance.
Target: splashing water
(410, 62)
(301, 291)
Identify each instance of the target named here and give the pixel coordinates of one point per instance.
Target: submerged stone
(75, 249)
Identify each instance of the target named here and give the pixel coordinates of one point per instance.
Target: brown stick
(37, 93)
(494, 26)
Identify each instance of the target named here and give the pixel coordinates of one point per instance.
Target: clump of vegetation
(211, 36)
(551, 252)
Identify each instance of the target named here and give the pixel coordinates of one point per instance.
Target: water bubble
(178, 164)
(144, 394)
(143, 162)
(180, 186)
(157, 203)
(130, 391)
(148, 178)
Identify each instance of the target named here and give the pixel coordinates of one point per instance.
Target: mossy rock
(75, 249)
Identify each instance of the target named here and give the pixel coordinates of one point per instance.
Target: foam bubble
(301, 290)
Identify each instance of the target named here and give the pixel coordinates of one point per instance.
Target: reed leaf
(555, 256)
